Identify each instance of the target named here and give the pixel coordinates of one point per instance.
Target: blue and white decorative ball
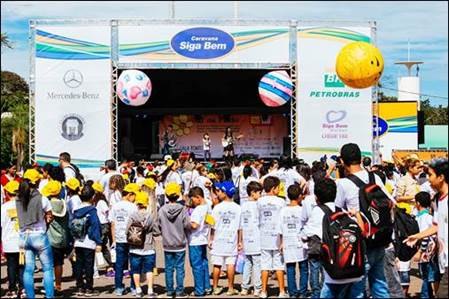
(275, 88)
(134, 87)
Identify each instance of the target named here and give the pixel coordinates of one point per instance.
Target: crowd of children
(315, 225)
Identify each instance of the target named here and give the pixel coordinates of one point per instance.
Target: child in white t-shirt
(224, 235)
(270, 207)
(292, 245)
(249, 225)
(426, 255)
(10, 240)
(198, 240)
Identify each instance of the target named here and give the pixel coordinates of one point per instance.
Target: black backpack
(376, 208)
(78, 174)
(136, 234)
(404, 225)
(78, 227)
(342, 246)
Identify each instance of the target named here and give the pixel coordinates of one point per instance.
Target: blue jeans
(121, 263)
(315, 281)
(172, 260)
(374, 269)
(252, 272)
(303, 279)
(37, 243)
(142, 264)
(346, 290)
(200, 269)
(429, 272)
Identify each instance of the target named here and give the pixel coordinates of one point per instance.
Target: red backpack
(342, 246)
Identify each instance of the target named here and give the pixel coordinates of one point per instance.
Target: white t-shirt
(10, 227)
(119, 214)
(200, 235)
(206, 144)
(291, 226)
(42, 184)
(426, 187)
(200, 181)
(227, 223)
(236, 171)
(308, 203)
(102, 211)
(348, 192)
(73, 203)
(114, 197)
(188, 177)
(288, 177)
(440, 218)
(243, 183)
(269, 216)
(69, 173)
(140, 180)
(249, 223)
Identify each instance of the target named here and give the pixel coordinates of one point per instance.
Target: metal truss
(32, 99)
(293, 39)
(114, 98)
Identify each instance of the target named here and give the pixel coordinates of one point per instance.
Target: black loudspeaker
(421, 138)
(286, 145)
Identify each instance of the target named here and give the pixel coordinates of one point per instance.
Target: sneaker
(96, 275)
(59, 293)
(217, 291)
(283, 295)
(110, 273)
(139, 294)
(244, 292)
(80, 292)
(152, 295)
(263, 295)
(166, 295)
(208, 292)
(195, 295)
(256, 293)
(91, 293)
(126, 274)
(22, 294)
(181, 295)
(133, 292)
(232, 292)
(119, 292)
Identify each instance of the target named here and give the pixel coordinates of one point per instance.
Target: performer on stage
(228, 144)
(206, 146)
(169, 139)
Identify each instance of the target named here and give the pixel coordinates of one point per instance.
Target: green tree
(14, 114)
(434, 115)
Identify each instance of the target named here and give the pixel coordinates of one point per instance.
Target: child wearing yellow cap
(141, 230)
(118, 217)
(10, 240)
(175, 224)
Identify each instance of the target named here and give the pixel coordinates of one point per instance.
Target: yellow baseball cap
(211, 176)
(141, 198)
(173, 189)
(52, 188)
(125, 176)
(98, 187)
(170, 162)
(32, 175)
(73, 184)
(132, 188)
(12, 187)
(150, 183)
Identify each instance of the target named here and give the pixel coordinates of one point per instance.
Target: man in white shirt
(110, 169)
(64, 163)
(348, 199)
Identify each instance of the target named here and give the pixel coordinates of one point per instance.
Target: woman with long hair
(34, 214)
(116, 186)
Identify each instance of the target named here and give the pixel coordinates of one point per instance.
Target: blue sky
(424, 23)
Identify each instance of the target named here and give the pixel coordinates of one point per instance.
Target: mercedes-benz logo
(73, 78)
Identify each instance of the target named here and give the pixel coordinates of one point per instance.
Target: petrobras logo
(332, 88)
(202, 43)
(382, 128)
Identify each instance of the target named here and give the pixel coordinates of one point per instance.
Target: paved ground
(106, 285)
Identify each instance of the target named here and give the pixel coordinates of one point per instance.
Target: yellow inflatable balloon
(359, 65)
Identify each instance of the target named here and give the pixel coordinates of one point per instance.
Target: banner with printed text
(73, 94)
(398, 127)
(330, 114)
(262, 136)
